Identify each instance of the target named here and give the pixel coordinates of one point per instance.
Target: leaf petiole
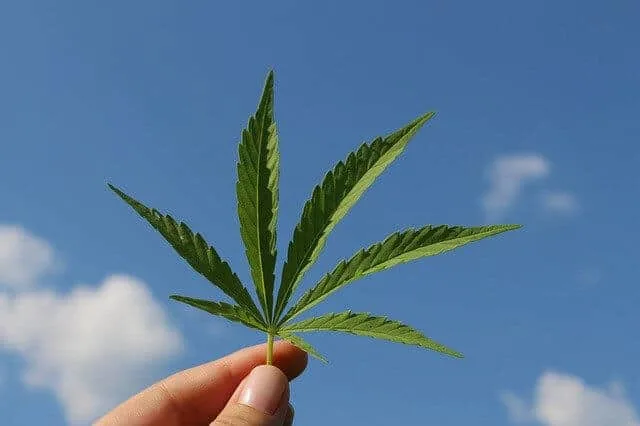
(269, 348)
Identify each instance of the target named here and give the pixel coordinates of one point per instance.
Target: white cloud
(518, 410)
(560, 202)
(507, 176)
(91, 347)
(564, 400)
(87, 345)
(24, 258)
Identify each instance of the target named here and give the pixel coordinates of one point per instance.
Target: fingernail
(263, 389)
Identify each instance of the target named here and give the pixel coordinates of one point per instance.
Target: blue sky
(537, 124)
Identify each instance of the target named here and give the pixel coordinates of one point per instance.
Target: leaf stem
(269, 348)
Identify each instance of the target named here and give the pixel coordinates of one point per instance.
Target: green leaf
(194, 249)
(257, 191)
(233, 313)
(331, 201)
(399, 247)
(302, 344)
(364, 324)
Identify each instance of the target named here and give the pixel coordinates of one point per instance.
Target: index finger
(197, 395)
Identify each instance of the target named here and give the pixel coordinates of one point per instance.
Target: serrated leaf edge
(290, 280)
(335, 323)
(359, 266)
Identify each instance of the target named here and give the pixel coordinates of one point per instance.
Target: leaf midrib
(258, 224)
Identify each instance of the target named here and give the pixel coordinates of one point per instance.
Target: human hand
(234, 391)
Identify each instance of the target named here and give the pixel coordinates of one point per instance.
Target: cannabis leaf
(364, 324)
(193, 248)
(257, 190)
(302, 344)
(399, 247)
(331, 201)
(231, 312)
(257, 196)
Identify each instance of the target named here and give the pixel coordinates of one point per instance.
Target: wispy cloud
(507, 177)
(518, 410)
(24, 258)
(91, 346)
(560, 202)
(564, 400)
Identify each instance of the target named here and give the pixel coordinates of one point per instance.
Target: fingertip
(290, 359)
(265, 389)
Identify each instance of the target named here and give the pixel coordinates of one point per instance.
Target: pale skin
(230, 391)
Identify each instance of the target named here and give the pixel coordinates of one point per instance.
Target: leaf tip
(429, 114)
(319, 357)
(413, 127)
(425, 117)
(115, 189)
(269, 80)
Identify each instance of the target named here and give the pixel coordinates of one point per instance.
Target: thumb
(260, 400)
